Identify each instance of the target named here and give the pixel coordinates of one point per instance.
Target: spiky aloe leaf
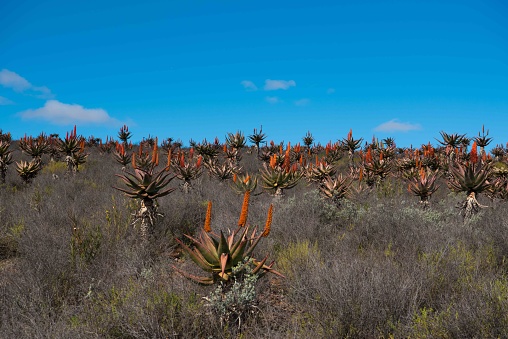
(208, 253)
(196, 257)
(198, 279)
(223, 245)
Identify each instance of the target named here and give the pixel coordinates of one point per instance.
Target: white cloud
(249, 85)
(302, 102)
(59, 113)
(330, 90)
(19, 84)
(272, 100)
(4, 101)
(395, 126)
(14, 81)
(272, 85)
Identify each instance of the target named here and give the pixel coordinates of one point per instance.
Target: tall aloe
(257, 137)
(5, 159)
(471, 177)
(351, 145)
(146, 187)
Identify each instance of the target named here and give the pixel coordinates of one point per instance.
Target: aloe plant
(244, 183)
(124, 135)
(320, 171)
(351, 145)
(5, 159)
(482, 140)
(146, 187)
(471, 177)
(424, 186)
(34, 147)
(257, 137)
(121, 156)
(187, 169)
(276, 180)
(336, 188)
(218, 254)
(28, 170)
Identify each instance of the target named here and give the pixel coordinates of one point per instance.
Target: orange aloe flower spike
(133, 162)
(245, 210)
(473, 155)
(208, 218)
(268, 223)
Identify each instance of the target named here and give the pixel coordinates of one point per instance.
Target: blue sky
(199, 69)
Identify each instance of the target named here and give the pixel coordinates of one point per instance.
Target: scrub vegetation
(251, 238)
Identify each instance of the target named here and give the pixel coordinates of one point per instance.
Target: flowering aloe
(121, 156)
(424, 186)
(188, 169)
(351, 145)
(471, 177)
(217, 254)
(34, 147)
(73, 149)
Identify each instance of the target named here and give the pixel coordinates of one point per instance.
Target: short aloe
(218, 254)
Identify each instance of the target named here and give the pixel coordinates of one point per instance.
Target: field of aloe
(251, 238)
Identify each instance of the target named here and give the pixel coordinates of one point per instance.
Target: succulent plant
(187, 168)
(424, 186)
(336, 188)
(218, 254)
(207, 150)
(308, 139)
(376, 168)
(320, 171)
(107, 146)
(121, 156)
(5, 137)
(235, 140)
(223, 171)
(124, 135)
(482, 140)
(5, 159)
(471, 177)
(498, 152)
(257, 137)
(451, 140)
(73, 148)
(275, 180)
(146, 187)
(244, 183)
(351, 145)
(34, 147)
(28, 170)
